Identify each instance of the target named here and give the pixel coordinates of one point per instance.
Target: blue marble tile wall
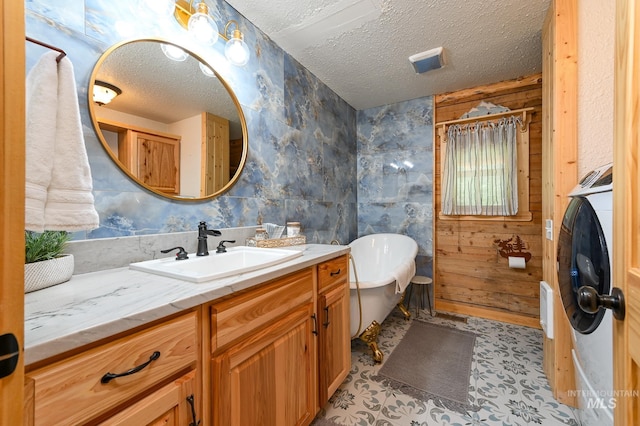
(302, 160)
(395, 169)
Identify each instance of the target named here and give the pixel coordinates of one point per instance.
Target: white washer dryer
(584, 259)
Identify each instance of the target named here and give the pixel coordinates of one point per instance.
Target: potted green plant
(45, 262)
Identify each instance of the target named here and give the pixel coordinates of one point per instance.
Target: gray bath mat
(432, 362)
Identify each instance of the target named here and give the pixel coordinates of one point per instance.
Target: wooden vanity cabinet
(334, 349)
(263, 364)
(280, 351)
(173, 404)
(78, 391)
(270, 355)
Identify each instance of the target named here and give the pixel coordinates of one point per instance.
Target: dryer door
(583, 259)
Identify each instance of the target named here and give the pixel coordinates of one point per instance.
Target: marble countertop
(96, 305)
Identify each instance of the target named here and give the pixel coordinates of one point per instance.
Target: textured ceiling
(360, 48)
(163, 90)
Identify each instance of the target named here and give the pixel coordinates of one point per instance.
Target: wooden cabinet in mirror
(176, 128)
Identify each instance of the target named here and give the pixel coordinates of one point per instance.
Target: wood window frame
(524, 213)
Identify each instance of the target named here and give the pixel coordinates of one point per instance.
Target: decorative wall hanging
(513, 247)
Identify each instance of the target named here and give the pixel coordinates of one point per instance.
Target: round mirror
(167, 119)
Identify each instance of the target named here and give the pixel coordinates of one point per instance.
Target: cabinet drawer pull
(315, 324)
(110, 376)
(334, 273)
(326, 324)
(192, 404)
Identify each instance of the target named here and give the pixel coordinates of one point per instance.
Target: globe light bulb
(173, 52)
(236, 50)
(202, 27)
(206, 70)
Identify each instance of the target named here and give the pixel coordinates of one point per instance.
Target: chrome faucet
(203, 250)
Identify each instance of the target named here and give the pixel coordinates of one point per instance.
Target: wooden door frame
(12, 170)
(626, 232)
(559, 175)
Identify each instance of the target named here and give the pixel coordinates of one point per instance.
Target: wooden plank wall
(470, 277)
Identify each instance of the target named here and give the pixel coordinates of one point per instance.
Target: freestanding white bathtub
(379, 259)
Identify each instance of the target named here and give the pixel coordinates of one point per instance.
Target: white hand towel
(70, 202)
(41, 107)
(403, 275)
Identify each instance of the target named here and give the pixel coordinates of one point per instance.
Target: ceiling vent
(427, 61)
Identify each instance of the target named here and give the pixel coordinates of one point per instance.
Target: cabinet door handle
(315, 324)
(110, 376)
(9, 354)
(192, 404)
(334, 273)
(326, 324)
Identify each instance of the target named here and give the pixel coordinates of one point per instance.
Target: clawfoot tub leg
(403, 309)
(370, 337)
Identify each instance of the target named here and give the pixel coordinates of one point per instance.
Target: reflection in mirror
(176, 128)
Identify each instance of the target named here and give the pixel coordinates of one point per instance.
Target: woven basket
(47, 273)
(277, 242)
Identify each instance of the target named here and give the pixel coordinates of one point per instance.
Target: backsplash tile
(106, 253)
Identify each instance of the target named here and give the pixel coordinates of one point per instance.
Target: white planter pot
(47, 273)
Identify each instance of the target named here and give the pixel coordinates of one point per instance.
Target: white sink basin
(236, 260)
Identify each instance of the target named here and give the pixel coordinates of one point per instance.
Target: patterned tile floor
(507, 382)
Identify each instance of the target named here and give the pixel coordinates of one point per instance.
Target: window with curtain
(480, 170)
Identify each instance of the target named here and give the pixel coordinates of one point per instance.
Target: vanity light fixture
(202, 26)
(103, 93)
